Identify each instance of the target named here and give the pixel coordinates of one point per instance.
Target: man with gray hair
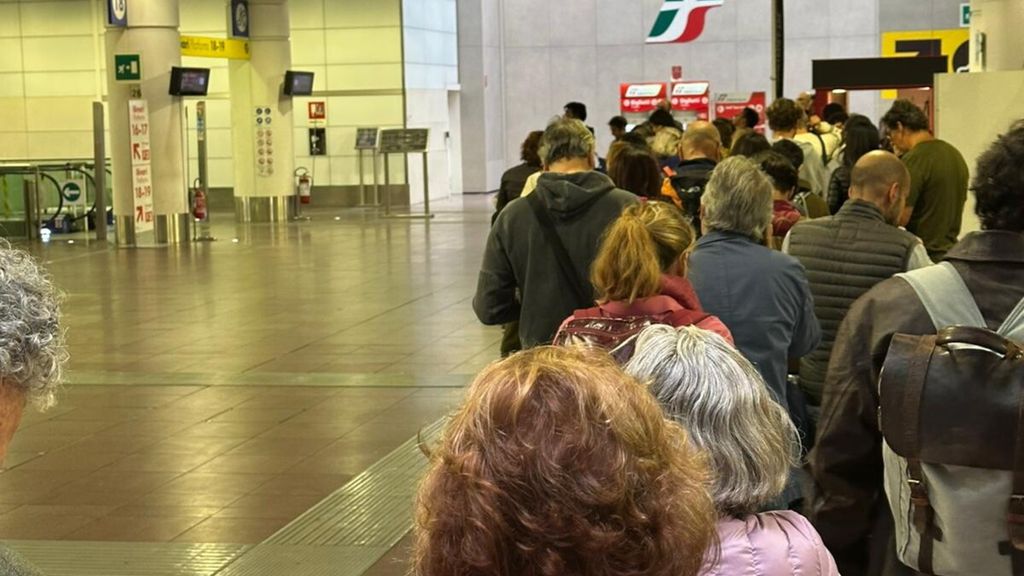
(32, 356)
(542, 246)
(847, 254)
(761, 295)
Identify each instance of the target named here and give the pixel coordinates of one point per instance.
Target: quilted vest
(845, 256)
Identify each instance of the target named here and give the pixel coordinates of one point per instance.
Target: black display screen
(298, 83)
(190, 81)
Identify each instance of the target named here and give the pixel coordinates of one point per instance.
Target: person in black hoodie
(549, 263)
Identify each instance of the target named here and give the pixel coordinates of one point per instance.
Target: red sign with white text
(641, 98)
(693, 97)
(318, 110)
(731, 104)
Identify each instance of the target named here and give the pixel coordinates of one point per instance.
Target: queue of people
(761, 331)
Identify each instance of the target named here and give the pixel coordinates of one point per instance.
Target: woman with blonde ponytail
(640, 275)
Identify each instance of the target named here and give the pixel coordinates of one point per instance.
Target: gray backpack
(951, 406)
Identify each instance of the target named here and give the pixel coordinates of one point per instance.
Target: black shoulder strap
(824, 149)
(584, 295)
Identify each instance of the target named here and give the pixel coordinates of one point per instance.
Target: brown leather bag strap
(923, 516)
(913, 390)
(1015, 510)
(922, 513)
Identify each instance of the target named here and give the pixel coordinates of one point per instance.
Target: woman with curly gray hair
(705, 384)
(32, 351)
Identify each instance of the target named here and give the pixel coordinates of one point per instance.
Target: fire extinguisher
(305, 185)
(199, 202)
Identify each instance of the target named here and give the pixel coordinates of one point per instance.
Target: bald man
(847, 254)
(700, 150)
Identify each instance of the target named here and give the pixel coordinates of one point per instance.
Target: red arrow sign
(137, 151)
(140, 214)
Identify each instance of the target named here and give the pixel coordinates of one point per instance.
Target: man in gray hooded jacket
(580, 204)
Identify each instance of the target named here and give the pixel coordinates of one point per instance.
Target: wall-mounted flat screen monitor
(298, 83)
(190, 81)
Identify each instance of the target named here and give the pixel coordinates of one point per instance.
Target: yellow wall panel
(57, 114)
(10, 25)
(10, 55)
(12, 85)
(364, 110)
(65, 18)
(59, 54)
(306, 14)
(60, 145)
(364, 77)
(64, 84)
(12, 114)
(308, 47)
(14, 146)
(364, 46)
(362, 13)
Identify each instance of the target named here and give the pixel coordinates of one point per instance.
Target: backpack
(950, 412)
(689, 188)
(591, 327)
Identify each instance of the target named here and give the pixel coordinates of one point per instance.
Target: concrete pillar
(152, 32)
(482, 104)
(1001, 22)
(261, 116)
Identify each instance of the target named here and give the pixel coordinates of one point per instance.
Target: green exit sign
(127, 68)
(965, 15)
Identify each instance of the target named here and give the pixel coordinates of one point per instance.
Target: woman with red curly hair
(560, 464)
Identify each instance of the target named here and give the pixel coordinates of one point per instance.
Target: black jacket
(512, 183)
(517, 255)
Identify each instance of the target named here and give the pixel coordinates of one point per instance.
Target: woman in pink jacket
(640, 271)
(703, 383)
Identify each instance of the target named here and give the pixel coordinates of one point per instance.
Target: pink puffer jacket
(771, 544)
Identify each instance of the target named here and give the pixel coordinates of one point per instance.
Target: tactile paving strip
(350, 530)
(70, 558)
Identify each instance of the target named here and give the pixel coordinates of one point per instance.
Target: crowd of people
(754, 290)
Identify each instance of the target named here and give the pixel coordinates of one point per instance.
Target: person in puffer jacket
(704, 384)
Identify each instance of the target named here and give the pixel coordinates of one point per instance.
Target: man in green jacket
(938, 179)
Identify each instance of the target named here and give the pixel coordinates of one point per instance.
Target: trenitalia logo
(681, 21)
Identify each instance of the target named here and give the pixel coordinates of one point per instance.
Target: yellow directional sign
(205, 47)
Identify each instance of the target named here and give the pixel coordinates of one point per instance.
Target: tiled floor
(220, 390)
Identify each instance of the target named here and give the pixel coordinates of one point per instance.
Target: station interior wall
(527, 60)
(970, 128)
(53, 66)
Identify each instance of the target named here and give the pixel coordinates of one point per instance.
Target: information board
(404, 140)
(142, 173)
(366, 138)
